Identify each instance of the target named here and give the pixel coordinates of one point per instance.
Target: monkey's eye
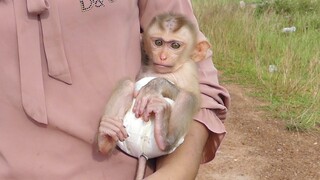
(158, 42)
(175, 45)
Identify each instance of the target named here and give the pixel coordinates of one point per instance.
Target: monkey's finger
(159, 106)
(106, 131)
(146, 116)
(153, 110)
(107, 122)
(136, 107)
(119, 124)
(112, 134)
(105, 127)
(140, 105)
(123, 132)
(120, 132)
(144, 102)
(117, 127)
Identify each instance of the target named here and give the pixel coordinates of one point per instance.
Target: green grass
(247, 40)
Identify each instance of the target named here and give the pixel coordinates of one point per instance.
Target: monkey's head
(169, 41)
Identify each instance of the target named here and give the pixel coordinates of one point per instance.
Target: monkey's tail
(142, 162)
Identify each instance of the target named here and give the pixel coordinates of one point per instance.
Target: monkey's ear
(200, 51)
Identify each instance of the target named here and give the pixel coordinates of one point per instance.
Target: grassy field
(251, 48)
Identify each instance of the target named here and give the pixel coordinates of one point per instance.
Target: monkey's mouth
(162, 65)
(162, 68)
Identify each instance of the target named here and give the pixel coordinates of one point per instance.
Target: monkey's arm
(111, 128)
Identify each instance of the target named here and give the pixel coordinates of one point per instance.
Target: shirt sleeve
(215, 99)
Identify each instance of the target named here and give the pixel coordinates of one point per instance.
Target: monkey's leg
(168, 133)
(117, 105)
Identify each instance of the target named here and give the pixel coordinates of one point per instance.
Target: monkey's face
(166, 54)
(168, 44)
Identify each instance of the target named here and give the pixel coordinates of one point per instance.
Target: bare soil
(258, 146)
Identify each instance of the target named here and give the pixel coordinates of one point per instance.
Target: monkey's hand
(111, 130)
(144, 96)
(154, 106)
(159, 110)
(156, 88)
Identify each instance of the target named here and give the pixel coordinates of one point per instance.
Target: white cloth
(141, 139)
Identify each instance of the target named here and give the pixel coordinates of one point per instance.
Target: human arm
(184, 162)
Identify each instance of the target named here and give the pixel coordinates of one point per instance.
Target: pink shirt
(59, 61)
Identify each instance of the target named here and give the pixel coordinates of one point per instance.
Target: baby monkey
(168, 99)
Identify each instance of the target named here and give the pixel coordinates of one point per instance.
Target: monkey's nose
(163, 56)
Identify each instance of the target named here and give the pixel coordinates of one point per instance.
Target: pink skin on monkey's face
(162, 63)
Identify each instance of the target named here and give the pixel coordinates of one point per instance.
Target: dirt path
(259, 147)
